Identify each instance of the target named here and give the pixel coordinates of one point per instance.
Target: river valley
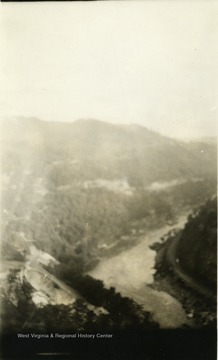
(131, 274)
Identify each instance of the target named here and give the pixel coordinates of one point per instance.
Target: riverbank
(131, 273)
(198, 303)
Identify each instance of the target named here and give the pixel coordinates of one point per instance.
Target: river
(131, 273)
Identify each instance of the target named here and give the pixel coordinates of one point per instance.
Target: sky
(148, 62)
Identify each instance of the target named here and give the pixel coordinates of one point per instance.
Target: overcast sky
(147, 62)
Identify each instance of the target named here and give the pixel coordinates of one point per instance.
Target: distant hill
(208, 140)
(78, 189)
(108, 151)
(201, 139)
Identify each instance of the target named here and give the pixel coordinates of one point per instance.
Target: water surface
(131, 273)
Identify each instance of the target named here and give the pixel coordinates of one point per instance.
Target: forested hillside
(92, 149)
(197, 248)
(80, 190)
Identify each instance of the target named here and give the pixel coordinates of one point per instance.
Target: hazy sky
(147, 62)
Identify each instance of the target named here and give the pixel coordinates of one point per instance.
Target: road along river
(131, 273)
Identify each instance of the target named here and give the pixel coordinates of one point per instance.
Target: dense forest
(98, 308)
(197, 248)
(50, 192)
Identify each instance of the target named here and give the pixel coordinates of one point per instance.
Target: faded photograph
(108, 168)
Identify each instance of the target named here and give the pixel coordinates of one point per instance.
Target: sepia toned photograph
(109, 180)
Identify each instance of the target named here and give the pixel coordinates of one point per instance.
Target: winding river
(131, 273)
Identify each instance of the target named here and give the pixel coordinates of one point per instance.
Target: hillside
(186, 265)
(197, 248)
(100, 150)
(76, 189)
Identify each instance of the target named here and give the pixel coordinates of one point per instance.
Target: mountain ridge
(110, 151)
